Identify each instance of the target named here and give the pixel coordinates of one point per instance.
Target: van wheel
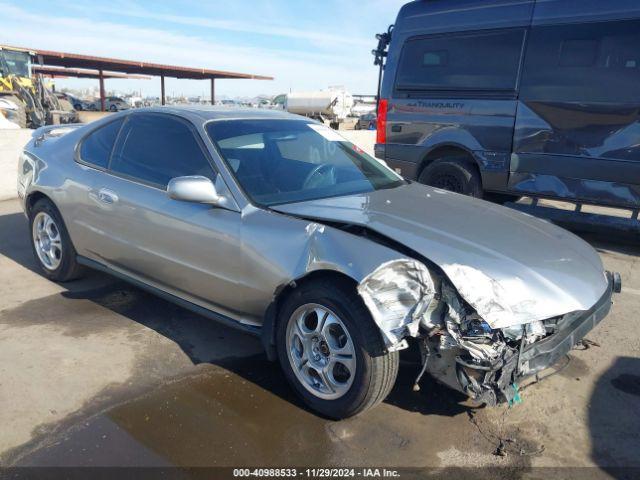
(331, 351)
(51, 243)
(455, 175)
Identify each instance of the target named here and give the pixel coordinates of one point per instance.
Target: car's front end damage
(490, 294)
(459, 347)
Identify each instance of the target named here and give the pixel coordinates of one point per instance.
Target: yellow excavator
(36, 104)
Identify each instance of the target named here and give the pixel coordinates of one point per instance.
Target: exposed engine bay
(458, 347)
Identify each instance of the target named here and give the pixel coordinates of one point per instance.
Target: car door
(83, 215)
(187, 249)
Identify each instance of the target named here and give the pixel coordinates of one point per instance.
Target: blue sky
(304, 44)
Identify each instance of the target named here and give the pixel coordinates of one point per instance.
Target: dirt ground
(98, 373)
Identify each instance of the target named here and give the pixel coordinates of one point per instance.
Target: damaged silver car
(277, 225)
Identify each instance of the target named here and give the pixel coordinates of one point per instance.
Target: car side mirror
(196, 189)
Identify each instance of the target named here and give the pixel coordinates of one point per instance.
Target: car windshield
(285, 161)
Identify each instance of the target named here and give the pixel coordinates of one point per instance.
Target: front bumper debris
(493, 379)
(458, 346)
(548, 351)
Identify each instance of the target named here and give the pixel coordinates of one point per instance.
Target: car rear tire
(113, 108)
(51, 244)
(347, 370)
(457, 175)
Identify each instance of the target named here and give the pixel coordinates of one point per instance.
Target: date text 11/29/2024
(316, 472)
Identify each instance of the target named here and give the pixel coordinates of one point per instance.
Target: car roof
(202, 113)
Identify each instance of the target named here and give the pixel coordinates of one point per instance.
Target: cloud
(318, 38)
(293, 69)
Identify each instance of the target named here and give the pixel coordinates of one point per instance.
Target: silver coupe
(277, 225)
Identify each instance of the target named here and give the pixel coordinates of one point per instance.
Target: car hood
(512, 268)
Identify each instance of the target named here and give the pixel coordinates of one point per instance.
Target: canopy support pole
(102, 96)
(162, 89)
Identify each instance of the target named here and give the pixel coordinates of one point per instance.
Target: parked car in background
(77, 103)
(366, 122)
(537, 98)
(111, 104)
(275, 224)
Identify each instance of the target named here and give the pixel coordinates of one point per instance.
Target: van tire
(457, 175)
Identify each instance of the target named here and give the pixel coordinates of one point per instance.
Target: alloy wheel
(321, 351)
(47, 241)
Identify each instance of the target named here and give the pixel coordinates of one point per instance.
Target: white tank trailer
(332, 106)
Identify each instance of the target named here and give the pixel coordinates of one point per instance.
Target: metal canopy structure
(107, 67)
(61, 72)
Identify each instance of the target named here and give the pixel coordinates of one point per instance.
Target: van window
(592, 62)
(461, 61)
(96, 147)
(155, 148)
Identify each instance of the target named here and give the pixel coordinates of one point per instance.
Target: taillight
(381, 132)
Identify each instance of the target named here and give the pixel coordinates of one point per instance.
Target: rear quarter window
(96, 147)
(468, 61)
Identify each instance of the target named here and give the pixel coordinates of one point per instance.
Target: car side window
(154, 148)
(96, 147)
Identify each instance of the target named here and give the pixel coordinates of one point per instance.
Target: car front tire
(51, 244)
(331, 351)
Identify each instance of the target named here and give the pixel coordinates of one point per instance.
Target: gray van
(506, 98)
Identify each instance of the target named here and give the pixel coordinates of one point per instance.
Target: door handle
(396, 128)
(107, 196)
